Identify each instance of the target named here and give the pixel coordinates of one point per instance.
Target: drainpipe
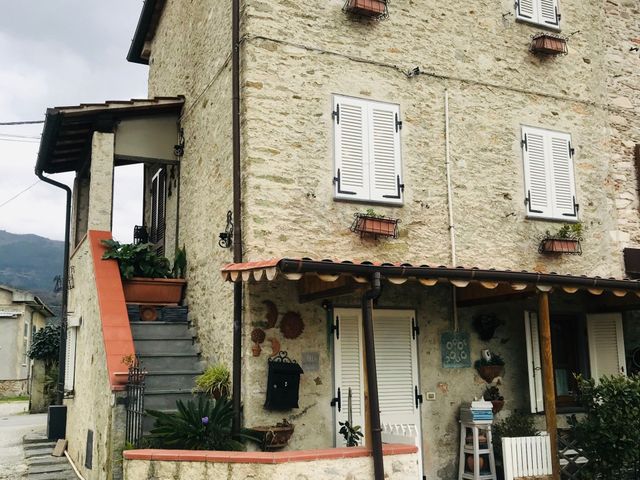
(372, 375)
(237, 217)
(65, 283)
(452, 225)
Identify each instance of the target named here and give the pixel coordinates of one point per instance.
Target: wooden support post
(548, 379)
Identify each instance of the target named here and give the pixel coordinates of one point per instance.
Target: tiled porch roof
(399, 273)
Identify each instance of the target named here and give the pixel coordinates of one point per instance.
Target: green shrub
(137, 260)
(197, 425)
(46, 344)
(215, 381)
(609, 432)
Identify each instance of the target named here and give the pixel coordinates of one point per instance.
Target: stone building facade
(297, 58)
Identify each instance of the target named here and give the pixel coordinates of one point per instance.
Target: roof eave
(140, 35)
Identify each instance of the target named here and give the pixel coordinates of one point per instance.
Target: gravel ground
(15, 422)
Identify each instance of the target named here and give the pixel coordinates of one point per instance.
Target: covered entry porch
(454, 296)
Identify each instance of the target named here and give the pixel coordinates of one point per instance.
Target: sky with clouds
(61, 52)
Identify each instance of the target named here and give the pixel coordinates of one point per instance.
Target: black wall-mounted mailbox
(283, 383)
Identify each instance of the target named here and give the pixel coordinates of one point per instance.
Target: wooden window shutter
(563, 182)
(70, 359)
(534, 362)
(606, 344)
(536, 174)
(348, 368)
(548, 13)
(158, 210)
(386, 169)
(526, 10)
(351, 175)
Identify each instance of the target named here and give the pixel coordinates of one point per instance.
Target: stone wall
(92, 405)
(190, 57)
(342, 464)
(623, 99)
(13, 388)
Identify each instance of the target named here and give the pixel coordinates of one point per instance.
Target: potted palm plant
(147, 278)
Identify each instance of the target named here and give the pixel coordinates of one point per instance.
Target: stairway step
(46, 460)
(160, 330)
(165, 399)
(59, 467)
(159, 362)
(39, 446)
(35, 438)
(171, 379)
(165, 314)
(165, 346)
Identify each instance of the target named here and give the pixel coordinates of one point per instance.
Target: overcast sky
(61, 52)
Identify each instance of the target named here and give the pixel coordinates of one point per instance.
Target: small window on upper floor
(550, 189)
(541, 12)
(368, 163)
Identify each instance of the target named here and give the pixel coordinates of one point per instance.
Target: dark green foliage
(609, 432)
(46, 344)
(179, 263)
(351, 434)
(515, 425)
(492, 392)
(486, 324)
(137, 260)
(51, 382)
(569, 231)
(202, 424)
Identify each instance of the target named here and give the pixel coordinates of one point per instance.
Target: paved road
(15, 422)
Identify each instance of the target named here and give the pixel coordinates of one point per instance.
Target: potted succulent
(490, 366)
(367, 8)
(565, 240)
(215, 381)
(375, 224)
(492, 394)
(549, 44)
(147, 277)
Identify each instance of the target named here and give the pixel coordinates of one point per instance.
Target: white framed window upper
(545, 13)
(367, 155)
(550, 187)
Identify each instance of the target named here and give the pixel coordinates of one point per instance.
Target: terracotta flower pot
(367, 8)
(549, 45)
(156, 291)
(497, 405)
(489, 372)
(560, 245)
(376, 226)
(275, 436)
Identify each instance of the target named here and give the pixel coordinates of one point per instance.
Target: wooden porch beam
(548, 379)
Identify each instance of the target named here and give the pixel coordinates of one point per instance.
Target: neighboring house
(439, 116)
(21, 315)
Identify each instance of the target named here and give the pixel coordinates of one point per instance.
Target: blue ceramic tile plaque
(455, 350)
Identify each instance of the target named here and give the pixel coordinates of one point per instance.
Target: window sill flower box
(375, 225)
(560, 245)
(367, 8)
(549, 44)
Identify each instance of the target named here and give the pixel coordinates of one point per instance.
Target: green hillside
(31, 263)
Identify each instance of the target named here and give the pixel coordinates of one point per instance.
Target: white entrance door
(397, 366)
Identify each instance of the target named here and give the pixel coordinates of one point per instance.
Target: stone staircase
(166, 349)
(41, 464)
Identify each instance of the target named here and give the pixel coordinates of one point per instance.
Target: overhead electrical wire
(26, 122)
(19, 193)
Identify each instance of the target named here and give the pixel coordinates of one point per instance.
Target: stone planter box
(153, 291)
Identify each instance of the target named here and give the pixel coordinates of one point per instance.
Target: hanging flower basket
(549, 44)
(274, 437)
(375, 225)
(367, 8)
(569, 246)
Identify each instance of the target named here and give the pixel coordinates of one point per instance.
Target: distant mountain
(29, 262)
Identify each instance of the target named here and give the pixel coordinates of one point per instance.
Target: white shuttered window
(70, 359)
(540, 12)
(605, 340)
(367, 150)
(550, 190)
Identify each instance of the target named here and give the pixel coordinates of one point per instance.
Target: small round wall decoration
(258, 335)
(291, 325)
